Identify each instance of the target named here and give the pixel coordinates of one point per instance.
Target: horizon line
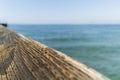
(63, 24)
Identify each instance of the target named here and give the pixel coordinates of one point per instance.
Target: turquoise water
(97, 46)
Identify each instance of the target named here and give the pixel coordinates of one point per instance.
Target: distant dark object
(4, 24)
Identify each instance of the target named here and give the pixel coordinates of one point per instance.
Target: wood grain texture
(25, 59)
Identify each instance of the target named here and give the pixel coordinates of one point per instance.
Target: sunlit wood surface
(25, 59)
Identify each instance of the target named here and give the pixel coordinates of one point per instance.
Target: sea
(97, 46)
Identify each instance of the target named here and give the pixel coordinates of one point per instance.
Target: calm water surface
(97, 46)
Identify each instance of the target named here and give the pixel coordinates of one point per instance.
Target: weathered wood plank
(25, 59)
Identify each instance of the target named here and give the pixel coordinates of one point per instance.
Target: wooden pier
(24, 59)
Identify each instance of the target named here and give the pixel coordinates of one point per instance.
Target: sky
(60, 11)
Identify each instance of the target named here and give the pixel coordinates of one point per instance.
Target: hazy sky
(60, 11)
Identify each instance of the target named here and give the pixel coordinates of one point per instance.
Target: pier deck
(24, 59)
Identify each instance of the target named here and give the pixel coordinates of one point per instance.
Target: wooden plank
(25, 59)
